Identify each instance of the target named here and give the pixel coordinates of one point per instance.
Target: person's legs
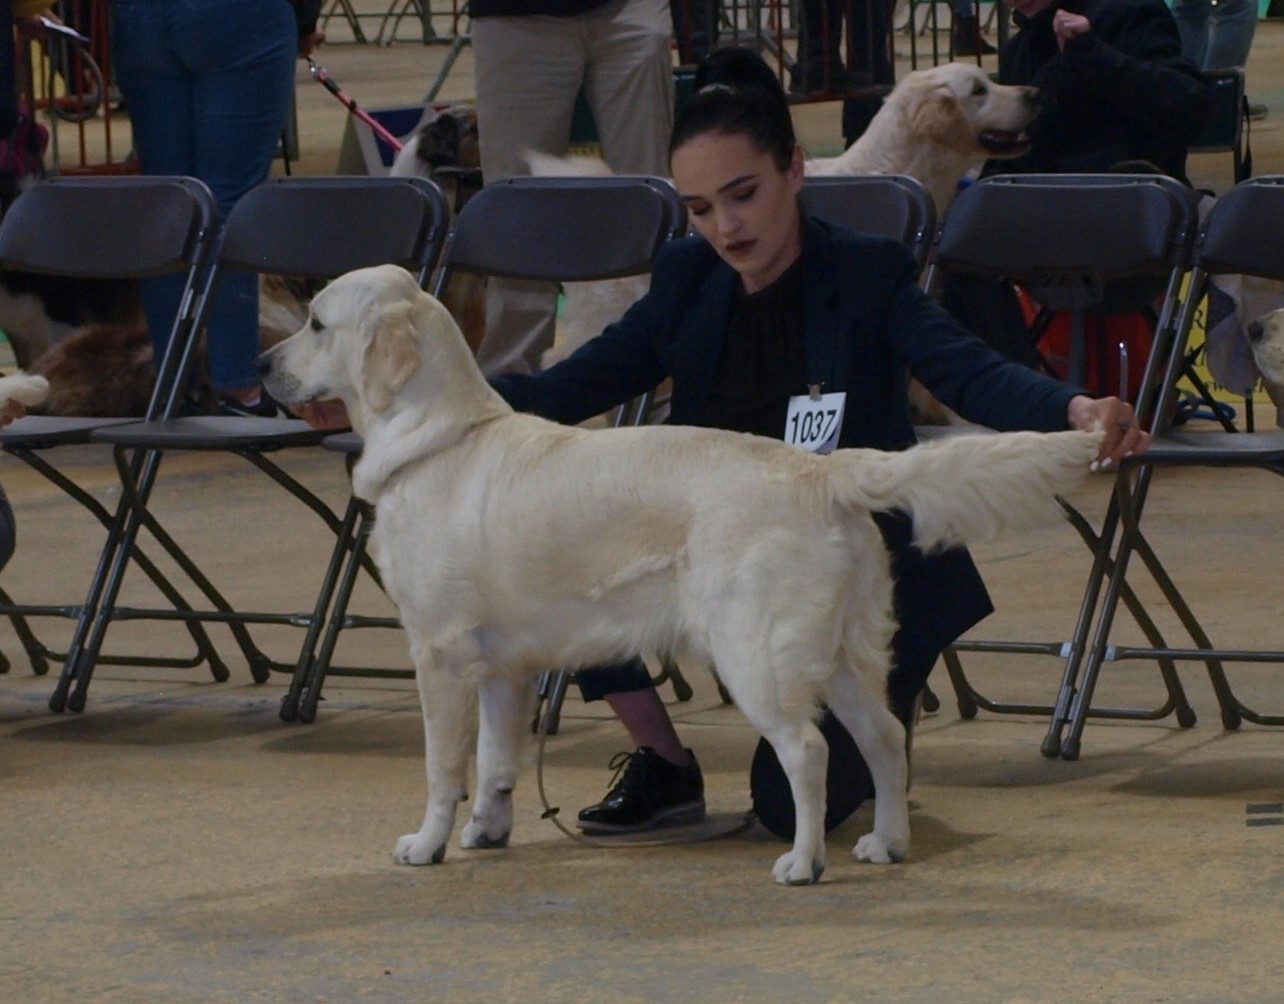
(968, 40)
(660, 782)
(820, 61)
(869, 66)
(1232, 25)
(157, 89)
(695, 28)
(629, 84)
(1192, 25)
(243, 53)
(527, 72)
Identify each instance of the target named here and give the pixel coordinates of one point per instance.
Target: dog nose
(1255, 331)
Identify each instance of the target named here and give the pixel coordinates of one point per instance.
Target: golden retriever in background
(936, 126)
(511, 544)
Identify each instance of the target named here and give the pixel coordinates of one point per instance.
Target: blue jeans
(208, 86)
(1216, 37)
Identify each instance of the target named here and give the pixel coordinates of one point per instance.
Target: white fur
(511, 544)
(936, 126)
(27, 389)
(1267, 341)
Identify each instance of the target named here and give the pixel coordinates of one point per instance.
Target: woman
(208, 86)
(763, 306)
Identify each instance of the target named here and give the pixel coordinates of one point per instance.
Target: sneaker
(647, 791)
(264, 407)
(1256, 111)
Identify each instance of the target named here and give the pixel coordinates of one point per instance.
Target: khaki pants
(528, 70)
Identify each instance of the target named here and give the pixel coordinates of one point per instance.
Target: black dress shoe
(647, 791)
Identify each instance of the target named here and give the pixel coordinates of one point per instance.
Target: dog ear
(940, 118)
(391, 357)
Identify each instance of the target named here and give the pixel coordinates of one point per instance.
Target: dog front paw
(797, 869)
(476, 836)
(874, 849)
(418, 849)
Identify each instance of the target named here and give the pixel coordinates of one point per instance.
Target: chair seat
(212, 432)
(343, 442)
(38, 431)
(1239, 449)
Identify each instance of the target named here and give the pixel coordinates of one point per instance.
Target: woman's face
(742, 203)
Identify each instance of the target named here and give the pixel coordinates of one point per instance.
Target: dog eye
(978, 89)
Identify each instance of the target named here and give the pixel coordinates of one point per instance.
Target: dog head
(445, 149)
(1266, 337)
(958, 106)
(369, 335)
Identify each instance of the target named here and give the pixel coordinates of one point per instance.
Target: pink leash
(320, 75)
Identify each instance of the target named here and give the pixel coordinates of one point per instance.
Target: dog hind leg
(449, 708)
(880, 737)
(505, 708)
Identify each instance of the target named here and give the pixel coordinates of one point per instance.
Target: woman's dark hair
(736, 92)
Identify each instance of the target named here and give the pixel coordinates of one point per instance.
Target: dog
(105, 368)
(937, 125)
(1266, 337)
(445, 148)
(27, 390)
(510, 544)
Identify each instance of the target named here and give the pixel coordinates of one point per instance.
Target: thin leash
(321, 76)
(686, 835)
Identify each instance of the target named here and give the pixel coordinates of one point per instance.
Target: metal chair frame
(286, 225)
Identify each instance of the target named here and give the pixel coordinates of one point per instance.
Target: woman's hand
(328, 414)
(1124, 436)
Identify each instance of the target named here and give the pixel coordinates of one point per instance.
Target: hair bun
(737, 68)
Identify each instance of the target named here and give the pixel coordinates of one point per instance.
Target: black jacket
(1121, 91)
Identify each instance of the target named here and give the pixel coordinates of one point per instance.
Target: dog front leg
(506, 706)
(880, 737)
(449, 708)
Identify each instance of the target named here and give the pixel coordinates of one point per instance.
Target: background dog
(1266, 339)
(937, 125)
(445, 149)
(511, 544)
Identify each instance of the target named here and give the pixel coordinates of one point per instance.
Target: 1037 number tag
(814, 423)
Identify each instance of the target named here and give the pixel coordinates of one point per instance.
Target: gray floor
(177, 842)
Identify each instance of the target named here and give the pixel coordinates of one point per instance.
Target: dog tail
(966, 488)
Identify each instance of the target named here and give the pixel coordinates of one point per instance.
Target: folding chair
(1073, 239)
(117, 228)
(311, 227)
(1240, 236)
(1227, 130)
(549, 229)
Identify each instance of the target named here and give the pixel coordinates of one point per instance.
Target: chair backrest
(563, 229)
(1040, 229)
(1078, 242)
(322, 227)
(125, 227)
(891, 205)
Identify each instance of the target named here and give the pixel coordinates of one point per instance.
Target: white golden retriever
(936, 126)
(511, 544)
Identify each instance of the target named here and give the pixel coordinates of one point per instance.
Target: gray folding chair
(311, 227)
(520, 228)
(1077, 242)
(112, 228)
(1240, 236)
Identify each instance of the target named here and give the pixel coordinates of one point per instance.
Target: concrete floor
(178, 842)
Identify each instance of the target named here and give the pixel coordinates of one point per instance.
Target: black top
(1122, 91)
(764, 360)
(306, 13)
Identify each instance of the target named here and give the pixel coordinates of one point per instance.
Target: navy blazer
(868, 327)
